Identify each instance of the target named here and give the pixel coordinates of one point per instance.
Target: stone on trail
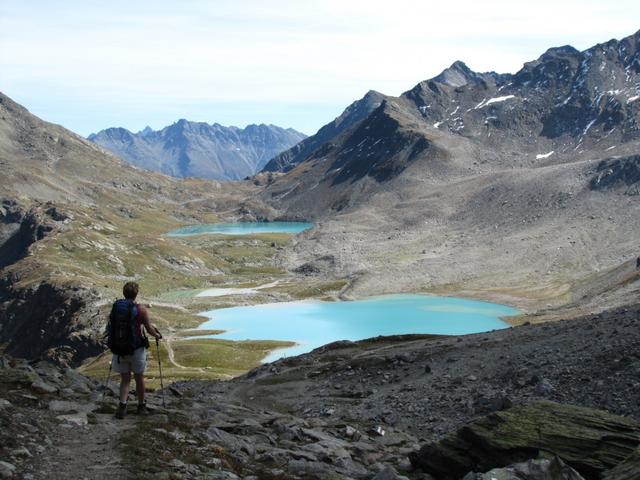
(43, 387)
(21, 452)
(64, 406)
(6, 469)
(78, 419)
(591, 441)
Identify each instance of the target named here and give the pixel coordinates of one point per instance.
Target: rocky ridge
(198, 149)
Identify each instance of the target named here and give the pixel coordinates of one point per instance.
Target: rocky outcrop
(49, 321)
(18, 230)
(618, 172)
(591, 441)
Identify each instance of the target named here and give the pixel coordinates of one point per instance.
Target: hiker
(128, 343)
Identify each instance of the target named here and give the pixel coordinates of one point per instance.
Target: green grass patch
(196, 359)
(197, 333)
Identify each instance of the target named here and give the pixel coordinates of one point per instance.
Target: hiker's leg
(139, 377)
(125, 380)
(138, 366)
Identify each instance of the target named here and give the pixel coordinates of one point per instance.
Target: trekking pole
(106, 382)
(160, 368)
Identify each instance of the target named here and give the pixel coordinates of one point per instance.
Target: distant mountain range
(197, 149)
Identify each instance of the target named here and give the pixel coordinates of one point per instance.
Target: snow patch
(221, 292)
(544, 155)
(437, 124)
(633, 99)
(586, 129)
(484, 103)
(610, 148)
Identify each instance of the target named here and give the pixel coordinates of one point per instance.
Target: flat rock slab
(591, 441)
(64, 406)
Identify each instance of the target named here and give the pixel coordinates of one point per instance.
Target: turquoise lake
(312, 324)
(243, 228)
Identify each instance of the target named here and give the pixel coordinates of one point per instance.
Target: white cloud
(276, 51)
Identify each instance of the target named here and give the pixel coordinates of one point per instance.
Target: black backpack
(123, 336)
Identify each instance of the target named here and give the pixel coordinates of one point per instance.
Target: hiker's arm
(144, 317)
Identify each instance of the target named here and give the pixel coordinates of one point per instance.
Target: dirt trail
(87, 452)
(172, 357)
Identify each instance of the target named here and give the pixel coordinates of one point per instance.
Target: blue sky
(93, 64)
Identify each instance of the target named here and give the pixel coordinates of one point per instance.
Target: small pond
(243, 228)
(312, 324)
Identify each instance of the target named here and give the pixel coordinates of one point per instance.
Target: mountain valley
(521, 189)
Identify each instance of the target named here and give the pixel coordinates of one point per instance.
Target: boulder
(541, 469)
(388, 473)
(591, 441)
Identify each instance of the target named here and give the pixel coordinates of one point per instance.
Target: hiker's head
(130, 290)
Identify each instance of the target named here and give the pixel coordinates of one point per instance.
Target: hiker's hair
(130, 290)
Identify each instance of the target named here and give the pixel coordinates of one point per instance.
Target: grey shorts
(135, 363)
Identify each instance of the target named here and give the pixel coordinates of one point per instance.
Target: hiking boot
(121, 411)
(142, 409)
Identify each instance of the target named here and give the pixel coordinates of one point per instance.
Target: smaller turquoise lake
(243, 228)
(312, 324)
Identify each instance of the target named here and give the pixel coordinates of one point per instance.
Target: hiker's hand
(157, 334)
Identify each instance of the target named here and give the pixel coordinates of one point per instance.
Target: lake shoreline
(356, 320)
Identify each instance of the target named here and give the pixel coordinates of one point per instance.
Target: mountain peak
(457, 75)
(559, 52)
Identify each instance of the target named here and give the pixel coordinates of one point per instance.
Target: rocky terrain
(198, 149)
(413, 407)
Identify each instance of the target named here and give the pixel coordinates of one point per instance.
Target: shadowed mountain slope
(354, 113)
